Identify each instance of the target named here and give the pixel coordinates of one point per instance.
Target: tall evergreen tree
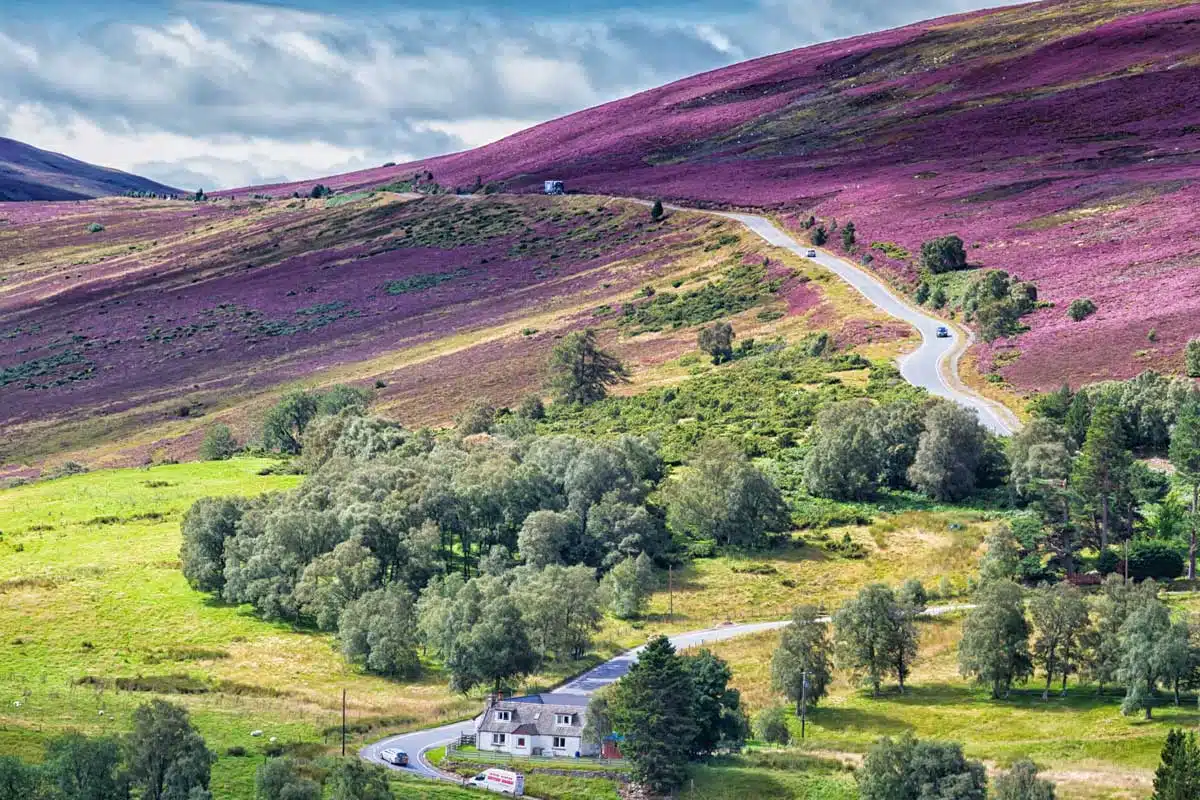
(1178, 775)
(720, 721)
(803, 656)
(1101, 472)
(653, 708)
(580, 372)
(1185, 457)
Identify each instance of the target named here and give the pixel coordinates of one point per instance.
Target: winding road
(418, 742)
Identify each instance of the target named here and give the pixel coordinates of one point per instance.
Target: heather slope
(28, 173)
(1061, 140)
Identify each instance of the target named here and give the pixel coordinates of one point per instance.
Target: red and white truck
(500, 780)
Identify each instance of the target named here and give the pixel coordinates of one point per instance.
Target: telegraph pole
(670, 593)
(343, 723)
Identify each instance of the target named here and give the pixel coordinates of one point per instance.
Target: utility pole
(670, 593)
(803, 700)
(343, 723)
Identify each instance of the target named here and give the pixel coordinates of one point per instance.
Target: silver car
(395, 757)
(811, 254)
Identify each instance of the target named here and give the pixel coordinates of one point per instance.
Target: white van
(500, 780)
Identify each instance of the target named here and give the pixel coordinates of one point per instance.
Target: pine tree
(1185, 457)
(1178, 776)
(1102, 469)
(580, 372)
(652, 707)
(656, 211)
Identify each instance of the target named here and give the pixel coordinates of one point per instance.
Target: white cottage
(535, 725)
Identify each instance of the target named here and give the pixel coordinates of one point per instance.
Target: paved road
(932, 366)
(610, 671)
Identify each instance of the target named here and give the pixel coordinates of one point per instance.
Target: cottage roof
(537, 715)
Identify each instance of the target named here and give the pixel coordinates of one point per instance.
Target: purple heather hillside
(27, 173)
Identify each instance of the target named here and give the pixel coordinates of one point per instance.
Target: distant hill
(27, 173)
(1060, 140)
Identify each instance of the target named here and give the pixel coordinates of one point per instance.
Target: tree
(949, 454)
(1185, 457)
(354, 779)
(944, 254)
(1060, 623)
(1020, 782)
(717, 709)
(656, 211)
(333, 581)
(478, 417)
(908, 769)
(165, 754)
(561, 608)
(493, 650)
(218, 444)
(278, 779)
(995, 639)
(580, 372)
(341, 398)
(599, 724)
(1101, 471)
(283, 427)
(875, 636)
(1081, 308)
(1112, 608)
(724, 498)
(379, 631)
(531, 408)
(771, 725)
(18, 780)
(653, 707)
(846, 460)
(1002, 560)
(1192, 358)
(818, 236)
(1145, 639)
(206, 526)
(629, 585)
(912, 595)
(803, 657)
(848, 236)
(545, 537)
(717, 341)
(1178, 775)
(83, 768)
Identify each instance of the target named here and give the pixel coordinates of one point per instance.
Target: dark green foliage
(279, 779)
(724, 498)
(656, 211)
(580, 372)
(720, 721)
(771, 725)
(949, 454)
(912, 594)
(922, 293)
(1192, 358)
(342, 398)
(848, 238)
(284, 424)
(1020, 782)
(18, 780)
(653, 707)
(495, 649)
(938, 299)
(1178, 774)
(908, 769)
(206, 526)
(379, 631)
(944, 254)
(532, 408)
(419, 283)
(875, 636)
(167, 758)
(717, 341)
(95, 227)
(319, 191)
(354, 779)
(1154, 559)
(818, 236)
(739, 287)
(996, 303)
(218, 444)
(1185, 457)
(1101, 471)
(1080, 309)
(995, 642)
(803, 656)
(82, 768)
(858, 447)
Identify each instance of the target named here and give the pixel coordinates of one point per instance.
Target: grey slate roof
(534, 715)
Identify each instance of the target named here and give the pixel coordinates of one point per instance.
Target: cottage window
(503, 716)
(560, 743)
(520, 741)
(562, 719)
(498, 738)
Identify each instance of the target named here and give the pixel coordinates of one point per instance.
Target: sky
(201, 94)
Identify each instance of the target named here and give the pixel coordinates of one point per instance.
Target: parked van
(500, 780)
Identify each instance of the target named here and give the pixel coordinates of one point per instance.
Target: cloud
(225, 94)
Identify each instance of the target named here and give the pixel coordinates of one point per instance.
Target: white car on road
(395, 757)
(812, 254)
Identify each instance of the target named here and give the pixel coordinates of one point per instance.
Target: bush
(1151, 559)
(770, 725)
(819, 235)
(1192, 358)
(1081, 309)
(95, 227)
(1108, 561)
(922, 293)
(943, 254)
(218, 444)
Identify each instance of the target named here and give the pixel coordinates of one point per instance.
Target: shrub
(656, 211)
(1108, 561)
(218, 444)
(1081, 308)
(944, 254)
(938, 298)
(1151, 559)
(922, 293)
(95, 227)
(66, 469)
(770, 725)
(1192, 357)
(819, 235)
(237, 751)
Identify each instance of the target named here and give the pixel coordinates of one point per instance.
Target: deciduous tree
(803, 655)
(908, 769)
(995, 641)
(949, 454)
(1185, 457)
(1060, 625)
(166, 756)
(1020, 782)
